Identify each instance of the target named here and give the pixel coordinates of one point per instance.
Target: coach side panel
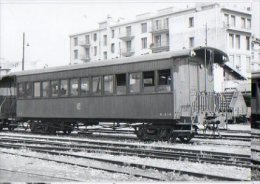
(153, 106)
(144, 105)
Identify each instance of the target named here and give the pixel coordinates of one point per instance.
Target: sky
(48, 23)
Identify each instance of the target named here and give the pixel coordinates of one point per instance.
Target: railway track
(121, 163)
(129, 135)
(39, 175)
(62, 144)
(172, 154)
(111, 170)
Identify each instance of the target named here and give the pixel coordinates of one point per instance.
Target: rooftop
(219, 56)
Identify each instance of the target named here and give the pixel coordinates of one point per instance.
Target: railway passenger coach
(255, 103)
(160, 95)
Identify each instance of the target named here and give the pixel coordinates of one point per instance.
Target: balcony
(160, 46)
(126, 36)
(85, 44)
(231, 27)
(85, 58)
(128, 52)
(161, 28)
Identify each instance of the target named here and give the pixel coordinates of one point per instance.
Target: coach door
(186, 86)
(255, 102)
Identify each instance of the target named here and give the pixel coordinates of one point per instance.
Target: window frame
(51, 94)
(144, 42)
(191, 42)
(94, 37)
(144, 29)
(112, 33)
(75, 41)
(40, 89)
(28, 96)
(140, 86)
(238, 41)
(104, 40)
(191, 22)
(151, 88)
(23, 90)
(59, 92)
(157, 81)
(89, 86)
(69, 84)
(101, 90)
(75, 54)
(112, 49)
(233, 21)
(48, 93)
(126, 85)
(113, 83)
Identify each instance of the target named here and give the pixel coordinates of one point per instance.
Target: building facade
(255, 54)
(212, 24)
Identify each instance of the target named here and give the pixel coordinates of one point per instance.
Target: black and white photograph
(129, 91)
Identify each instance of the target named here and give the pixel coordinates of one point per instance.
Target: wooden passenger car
(7, 104)
(255, 100)
(158, 90)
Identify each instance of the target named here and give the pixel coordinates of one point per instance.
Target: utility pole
(23, 51)
(205, 55)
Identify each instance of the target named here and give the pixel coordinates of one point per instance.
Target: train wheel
(164, 134)
(140, 133)
(66, 132)
(187, 138)
(10, 128)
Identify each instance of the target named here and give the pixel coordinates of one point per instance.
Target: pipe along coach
(160, 95)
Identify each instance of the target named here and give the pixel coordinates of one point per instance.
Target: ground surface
(35, 170)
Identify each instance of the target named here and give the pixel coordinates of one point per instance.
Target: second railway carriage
(161, 95)
(255, 101)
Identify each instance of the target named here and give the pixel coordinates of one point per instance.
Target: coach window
(54, 88)
(74, 87)
(64, 88)
(120, 84)
(164, 80)
(108, 84)
(45, 89)
(96, 85)
(37, 89)
(84, 86)
(28, 89)
(148, 81)
(21, 90)
(135, 82)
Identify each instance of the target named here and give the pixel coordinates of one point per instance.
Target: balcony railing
(236, 28)
(84, 43)
(160, 28)
(160, 46)
(126, 35)
(128, 52)
(85, 58)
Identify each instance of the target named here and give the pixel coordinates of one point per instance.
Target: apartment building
(212, 24)
(255, 54)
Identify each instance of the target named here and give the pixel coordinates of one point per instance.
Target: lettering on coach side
(78, 106)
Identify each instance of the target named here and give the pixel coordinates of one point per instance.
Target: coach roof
(219, 57)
